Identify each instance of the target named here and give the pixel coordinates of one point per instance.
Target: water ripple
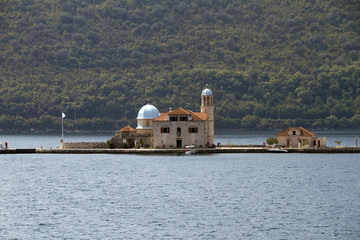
(247, 196)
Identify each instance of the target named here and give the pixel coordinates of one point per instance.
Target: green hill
(270, 63)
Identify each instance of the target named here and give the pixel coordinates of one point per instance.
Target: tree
(255, 61)
(331, 122)
(355, 121)
(250, 121)
(338, 142)
(271, 141)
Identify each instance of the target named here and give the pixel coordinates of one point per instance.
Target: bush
(271, 141)
(110, 144)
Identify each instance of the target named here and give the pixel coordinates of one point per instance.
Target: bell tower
(207, 106)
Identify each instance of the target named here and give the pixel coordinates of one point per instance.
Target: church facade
(173, 129)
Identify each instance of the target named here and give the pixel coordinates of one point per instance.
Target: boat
(190, 149)
(277, 150)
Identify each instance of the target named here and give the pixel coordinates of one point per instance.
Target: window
(183, 118)
(165, 130)
(173, 118)
(178, 130)
(294, 132)
(193, 129)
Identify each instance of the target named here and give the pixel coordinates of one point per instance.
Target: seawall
(328, 150)
(83, 145)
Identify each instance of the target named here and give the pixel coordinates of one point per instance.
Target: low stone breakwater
(328, 150)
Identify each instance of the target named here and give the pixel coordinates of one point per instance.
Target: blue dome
(148, 112)
(206, 92)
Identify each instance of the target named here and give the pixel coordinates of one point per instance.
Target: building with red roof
(299, 137)
(173, 129)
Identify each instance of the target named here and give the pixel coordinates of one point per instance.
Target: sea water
(217, 196)
(36, 140)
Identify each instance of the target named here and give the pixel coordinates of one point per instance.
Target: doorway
(179, 143)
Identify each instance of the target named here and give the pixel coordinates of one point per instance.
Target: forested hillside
(270, 63)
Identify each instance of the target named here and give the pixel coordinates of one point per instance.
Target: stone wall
(322, 142)
(169, 140)
(83, 145)
(132, 139)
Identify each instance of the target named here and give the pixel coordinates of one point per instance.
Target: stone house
(299, 137)
(179, 128)
(129, 137)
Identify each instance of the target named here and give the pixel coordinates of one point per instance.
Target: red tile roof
(196, 116)
(301, 129)
(179, 111)
(127, 129)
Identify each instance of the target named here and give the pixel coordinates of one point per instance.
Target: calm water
(223, 196)
(347, 138)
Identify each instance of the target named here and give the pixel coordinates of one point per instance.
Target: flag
(63, 115)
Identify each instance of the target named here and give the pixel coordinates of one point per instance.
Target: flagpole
(62, 130)
(62, 124)
(62, 127)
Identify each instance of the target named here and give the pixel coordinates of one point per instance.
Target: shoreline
(328, 150)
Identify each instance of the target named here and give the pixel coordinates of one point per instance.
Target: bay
(36, 140)
(220, 196)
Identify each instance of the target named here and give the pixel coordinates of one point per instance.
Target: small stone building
(299, 137)
(129, 137)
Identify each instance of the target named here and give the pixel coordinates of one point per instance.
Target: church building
(173, 129)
